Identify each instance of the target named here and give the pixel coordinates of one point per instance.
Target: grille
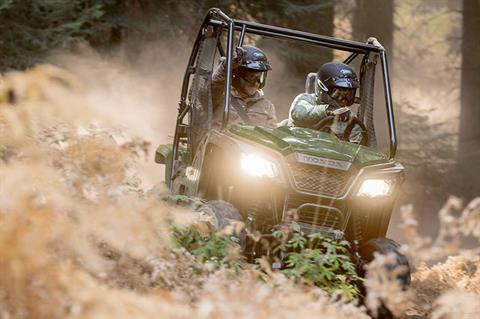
(319, 180)
(320, 217)
(316, 215)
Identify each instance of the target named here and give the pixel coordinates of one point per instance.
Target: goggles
(253, 77)
(344, 96)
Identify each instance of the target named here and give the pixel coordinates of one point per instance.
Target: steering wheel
(325, 125)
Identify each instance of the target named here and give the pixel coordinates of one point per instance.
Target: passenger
(335, 87)
(248, 104)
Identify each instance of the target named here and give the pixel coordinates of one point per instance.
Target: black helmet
(254, 59)
(251, 73)
(337, 80)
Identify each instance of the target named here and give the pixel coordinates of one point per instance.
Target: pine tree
(31, 28)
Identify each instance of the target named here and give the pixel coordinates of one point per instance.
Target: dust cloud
(135, 92)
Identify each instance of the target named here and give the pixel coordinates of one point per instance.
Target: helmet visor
(347, 83)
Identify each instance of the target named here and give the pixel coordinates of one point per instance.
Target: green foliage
(37, 26)
(220, 250)
(33, 27)
(314, 258)
(188, 237)
(321, 261)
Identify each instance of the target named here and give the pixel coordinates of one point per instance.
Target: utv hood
(297, 140)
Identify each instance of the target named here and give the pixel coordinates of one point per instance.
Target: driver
(248, 104)
(335, 87)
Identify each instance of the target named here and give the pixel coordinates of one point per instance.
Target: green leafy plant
(221, 250)
(319, 260)
(217, 249)
(188, 237)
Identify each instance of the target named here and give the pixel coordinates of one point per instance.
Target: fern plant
(320, 260)
(219, 250)
(313, 258)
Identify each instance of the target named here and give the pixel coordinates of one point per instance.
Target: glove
(238, 57)
(343, 114)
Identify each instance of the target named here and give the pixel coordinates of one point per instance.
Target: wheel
(225, 213)
(325, 124)
(217, 213)
(385, 246)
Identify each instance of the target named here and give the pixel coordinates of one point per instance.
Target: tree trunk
(469, 132)
(374, 18)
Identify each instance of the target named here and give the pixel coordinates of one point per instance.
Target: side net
(367, 92)
(200, 94)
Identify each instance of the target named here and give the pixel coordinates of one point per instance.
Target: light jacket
(305, 112)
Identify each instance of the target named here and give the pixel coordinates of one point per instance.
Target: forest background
(433, 52)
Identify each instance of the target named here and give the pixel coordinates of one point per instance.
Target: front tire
(386, 246)
(225, 213)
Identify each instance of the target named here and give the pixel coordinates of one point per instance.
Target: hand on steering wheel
(343, 114)
(325, 125)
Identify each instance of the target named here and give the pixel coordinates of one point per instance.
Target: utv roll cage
(216, 18)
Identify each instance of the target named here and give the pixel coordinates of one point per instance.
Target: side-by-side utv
(328, 184)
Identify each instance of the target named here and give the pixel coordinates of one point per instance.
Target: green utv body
(315, 180)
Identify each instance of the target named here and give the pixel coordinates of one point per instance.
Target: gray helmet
(336, 75)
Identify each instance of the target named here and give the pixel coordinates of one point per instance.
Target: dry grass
(79, 238)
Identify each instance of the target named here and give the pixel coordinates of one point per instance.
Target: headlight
(375, 188)
(256, 166)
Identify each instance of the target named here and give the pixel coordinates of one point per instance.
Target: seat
(310, 83)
